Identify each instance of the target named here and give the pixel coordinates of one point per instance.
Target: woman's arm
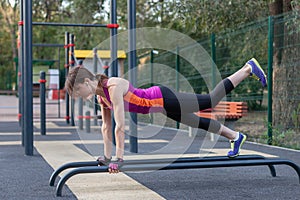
(106, 131)
(117, 90)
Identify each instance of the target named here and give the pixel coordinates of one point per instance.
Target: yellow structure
(104, 59)
(103, 54)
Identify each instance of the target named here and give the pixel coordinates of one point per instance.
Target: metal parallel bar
(81, 170)
(176, 166)
(159, 160)
(68, 166)
(68, 24)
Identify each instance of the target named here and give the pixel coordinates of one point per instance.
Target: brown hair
(78, 74)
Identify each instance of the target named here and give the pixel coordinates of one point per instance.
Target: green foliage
(283, 138)
(296, 118)
(7, 73)
(234, 48)
(7, 79)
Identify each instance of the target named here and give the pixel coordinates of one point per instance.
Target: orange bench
(225, 110)
(230, 112)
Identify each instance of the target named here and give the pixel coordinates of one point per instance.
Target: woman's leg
(174, 102)
(237, 139)
(228, 84)
(207, 124)
(188, 102)
(240, 75)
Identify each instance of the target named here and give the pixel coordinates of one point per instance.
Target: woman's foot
(236, 146)
(257, 72)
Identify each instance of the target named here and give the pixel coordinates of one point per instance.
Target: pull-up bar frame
(25, 25)
(75, 25)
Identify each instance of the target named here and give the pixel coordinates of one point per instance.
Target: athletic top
(138, 100)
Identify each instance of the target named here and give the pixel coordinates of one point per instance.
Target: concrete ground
(26, 177)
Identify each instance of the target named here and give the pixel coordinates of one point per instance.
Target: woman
(119, 95)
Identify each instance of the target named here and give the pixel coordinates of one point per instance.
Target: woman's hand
(114, 167)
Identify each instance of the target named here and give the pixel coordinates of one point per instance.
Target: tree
(286, 111)
(9, 13)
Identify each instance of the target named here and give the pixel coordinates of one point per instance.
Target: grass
(255, 126)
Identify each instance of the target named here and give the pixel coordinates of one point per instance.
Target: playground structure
(91, 167)
(26, 95)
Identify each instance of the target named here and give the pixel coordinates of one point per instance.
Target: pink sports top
(138, 100)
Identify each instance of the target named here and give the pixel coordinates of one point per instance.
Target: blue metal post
(131, 5)
(80, 113)
(151, 78)
(88, 121)
(43, 102)
(67, 36)
(21, 74)
(95, 103)
(113, 52)
(151, 67)
(106, 68)
(72, 65)
(177, 64)
(213, 56)
(58, 100)
(27, 73)
(270, 78)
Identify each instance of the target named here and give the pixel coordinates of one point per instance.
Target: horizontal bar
(175, 166)
(46, 75)
(47, 45)
(48, 103)
(153, 161)
(68, 24)
(44, 60)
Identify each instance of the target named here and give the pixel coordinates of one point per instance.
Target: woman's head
(81, 82)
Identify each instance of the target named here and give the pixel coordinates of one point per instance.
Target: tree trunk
(285, 74)
(276, 8)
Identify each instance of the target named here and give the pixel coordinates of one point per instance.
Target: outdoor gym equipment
(26, 97)
(170, 164)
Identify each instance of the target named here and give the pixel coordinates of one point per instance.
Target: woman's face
(83, 90)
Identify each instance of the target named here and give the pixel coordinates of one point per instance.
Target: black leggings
(181, 106)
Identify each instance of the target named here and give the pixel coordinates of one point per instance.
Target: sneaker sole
(258, 65)
(236, 155)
